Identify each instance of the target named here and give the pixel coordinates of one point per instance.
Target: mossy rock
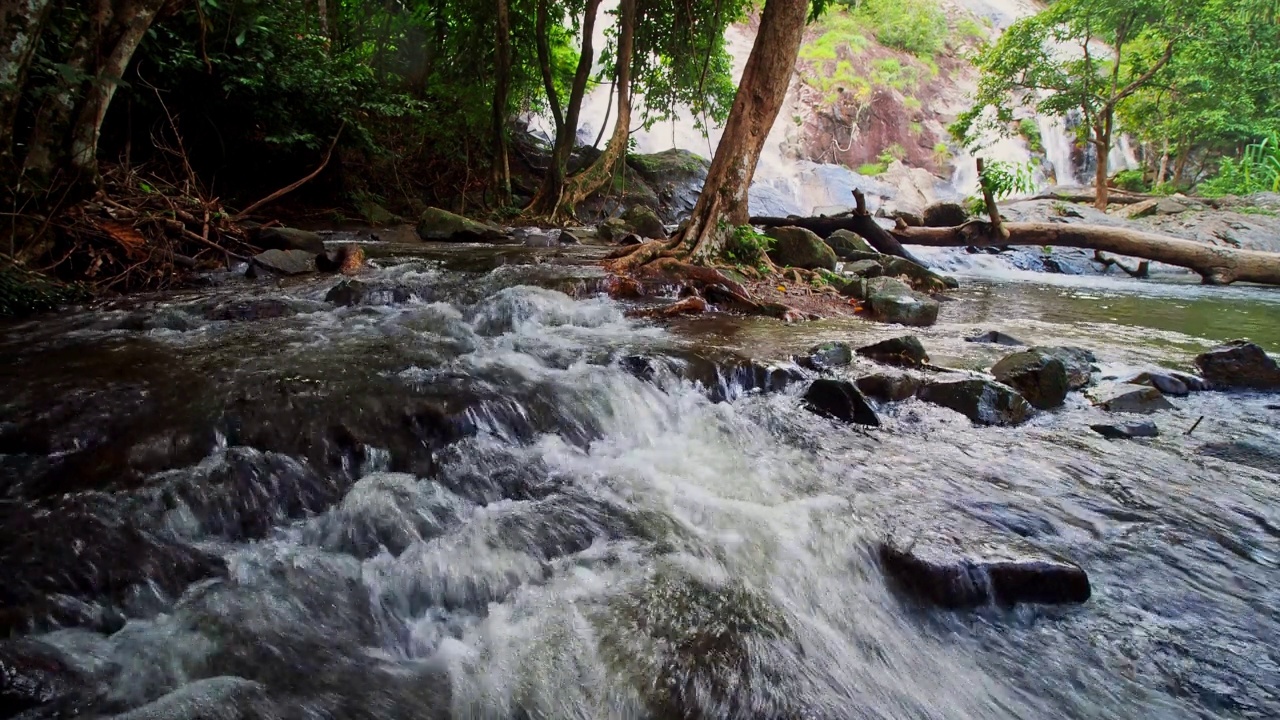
(845, 242)
(644, 222)
(444, 226)
(800, 248)
(661, 166)
(23, 292)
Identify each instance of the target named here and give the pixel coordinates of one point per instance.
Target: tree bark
(547, 199)
(1216, 265)
(501, 98)
(1102, 147)
(723, 202)
(21, 24)
(580, 186)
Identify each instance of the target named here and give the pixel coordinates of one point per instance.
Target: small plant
(1060, 208)
(748, 246)
(1002, 179)
(1256, 170)
(1131, 180)
(1030, 130)
(942, 154)
(872, 169)
(916, 129)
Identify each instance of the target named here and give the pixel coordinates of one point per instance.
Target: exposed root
(692, 305)
(631, 257)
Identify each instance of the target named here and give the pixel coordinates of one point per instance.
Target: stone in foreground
(845, 242)
(1127, 431)
(995, 337)
(283, 238)
(942, 572)
(840, 400)
(891, 301)
(1126, 398)
(800, 248)
(982, 401)
(889, 388)
(905, 351)
(1167, 384)
(1078, 362)
(285, 262)
(1239, 365)
(826, 355)
(1036, 375)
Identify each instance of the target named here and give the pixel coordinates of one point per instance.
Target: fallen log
(1087, 195)
(859, 221)
(1215, 265)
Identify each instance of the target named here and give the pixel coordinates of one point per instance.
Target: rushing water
(459, 499)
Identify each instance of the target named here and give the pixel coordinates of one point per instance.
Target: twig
(294, 186)
(1193, 427)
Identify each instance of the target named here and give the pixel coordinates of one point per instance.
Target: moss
(23, 292)
(873, 169)
(1030, 130)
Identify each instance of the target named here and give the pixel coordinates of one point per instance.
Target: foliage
(747, 246)
(872, 169)
(1030, 130)
(1002, 179)
(915, 26)
(1132, 180)
(1256, 170)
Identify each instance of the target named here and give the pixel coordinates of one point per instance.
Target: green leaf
(240, 38)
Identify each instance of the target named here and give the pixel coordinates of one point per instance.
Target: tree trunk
(580, 186)
(723, 201)
(551, 190)
(1102, 146)
(1216, 265)
(501, 98)
(21, 24)
(1180, 165)
(1163, 173)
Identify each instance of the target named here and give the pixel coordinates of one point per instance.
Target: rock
(1169, 206)
(1077, 361)
(865, 268)
(443, 226)
(216, 698)
(285, 262)
(826, 355)
(35, 676)
(612, 230)
(676, 178)
(1193, 382)
(891, 301)
(909, 217)
(1037, 376)
(889, 388)
(644, 222)
(945, 214)
(251, 310)
(832, 211)
(1166, 384)
(356, 292)
(800, 248)
(1121, 397)
(1127, 431)
(943, 572)
(855, 288)
(847, 241)
(534, 237)
(1239, 365)
(919, 277)
(283, 238)
(1146, 208)
(1245, 452)
(982, 401)
(841, 400)
(375, 214)
(575, 236)
(905, 351)
(348, 259)
(995, 337)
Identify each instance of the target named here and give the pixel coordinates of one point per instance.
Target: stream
(458, 498)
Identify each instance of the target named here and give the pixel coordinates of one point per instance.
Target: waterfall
(1058, 146)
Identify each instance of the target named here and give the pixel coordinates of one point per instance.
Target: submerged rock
(841, 400)
(283, 238)
(443, 226)
(217, 698)
(1036, 375)
(37, 678)
(800, 248)
(891, 301)
(889, 388)
(943, 572)
(905, 351)
(826, 355)
(285, 262)
(1167, 384)
(1127, 431)
(1245, 452)
(1122, 397)
(1194, 383)
(1239, 365)
(995, 337)
(1077, 361)
(982, 401)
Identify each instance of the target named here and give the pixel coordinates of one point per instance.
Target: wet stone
(982, 401)
(840, 400)
(1245, 452)
(1239, 365)
(889, 388)
(36, 679)
(219, 698)
(826, 355)
(995, 337)
(1167, 384)
(891, 301)
(358, 292)
(944, 572)
(1127, 431)
(846, 242)
(865, 268)
(1077, 361)
(1124, 398)
(906, 351)
(283, 238)
(800, 248)
(285, 262)
(1037, 376)
(251, 310)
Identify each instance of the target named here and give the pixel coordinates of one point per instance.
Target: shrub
(1131, 180)
(1029, 129)
(914, 26)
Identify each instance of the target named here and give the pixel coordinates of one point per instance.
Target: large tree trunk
(551, 190)
(1216, 265)
(580, 186)
(1102, 147)
(21, 23)
(723, 202)
(501, 98)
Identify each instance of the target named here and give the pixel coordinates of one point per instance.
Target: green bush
(747, 246)
(1256, 170)
(1030, 130)
(914, 26)
(1132, 181)
(872, 169)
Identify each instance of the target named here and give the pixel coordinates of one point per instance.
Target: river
(458, 498)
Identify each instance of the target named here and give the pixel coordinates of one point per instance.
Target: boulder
(356, 292)
(443, 226)
(283, 238)
(1127, 431)
(251, 310)
(919, 277)
(1167, 384)
(945, 214)
(889, 388)
(1146, 208)
(865, 268)
(800, 248)
(1077, 361)
(841, 400)
(644, 222)
(891, 301)
(982, 401)
(1125, 398)
(905, 351)
(826, 355)
(942, 571)
(847, 241)
(995, 337)
(37, 678)
(1239, 365)
(1169, 206)
(1036, 375)
(612, 230)
(1194, 383)
(283, 262)
(376, 214)
(575, 236)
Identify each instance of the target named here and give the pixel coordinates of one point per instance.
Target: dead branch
(294, 186)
